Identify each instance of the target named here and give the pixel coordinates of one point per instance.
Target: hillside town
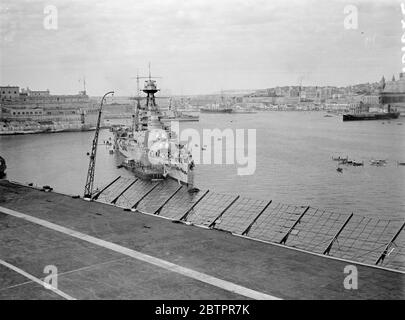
(330, 98)
(25, 110)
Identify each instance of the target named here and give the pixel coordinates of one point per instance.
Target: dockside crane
(88, 189)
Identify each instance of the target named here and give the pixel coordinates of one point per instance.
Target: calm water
(293, 161)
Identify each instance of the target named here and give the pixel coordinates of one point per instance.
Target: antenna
(137, 83)
(84, 84)
(149, 71)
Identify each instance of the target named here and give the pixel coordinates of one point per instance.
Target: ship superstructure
(150, 148)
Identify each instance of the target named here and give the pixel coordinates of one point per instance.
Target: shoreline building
(393, 93)
(29, 111)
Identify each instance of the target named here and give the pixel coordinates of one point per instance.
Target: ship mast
(84, 85)
(150, 89)
(138, 104)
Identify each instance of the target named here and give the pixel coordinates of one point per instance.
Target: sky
(197, 46)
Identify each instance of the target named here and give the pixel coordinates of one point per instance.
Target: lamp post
(88, 189)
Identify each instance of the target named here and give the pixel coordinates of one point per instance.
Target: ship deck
(104, 252)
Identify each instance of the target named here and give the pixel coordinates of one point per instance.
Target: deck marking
(34, 279)
(223, 284)
(71, 271)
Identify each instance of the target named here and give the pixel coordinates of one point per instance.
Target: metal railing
(358, 238)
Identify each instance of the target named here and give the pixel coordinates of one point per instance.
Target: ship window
(18, 113)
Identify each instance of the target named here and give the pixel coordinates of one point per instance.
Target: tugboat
(3, 167)
(150, 148)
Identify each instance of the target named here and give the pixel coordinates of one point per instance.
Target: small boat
(378, 163)
(339, 170)
(357, 164)
(400, 163)
(47, 188)
(340, 158)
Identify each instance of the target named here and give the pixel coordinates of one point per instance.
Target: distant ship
(150, 148)
(221, 107)
(390, 114)
(175, 115)
(216, 109)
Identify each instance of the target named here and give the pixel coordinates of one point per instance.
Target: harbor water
(293, 161)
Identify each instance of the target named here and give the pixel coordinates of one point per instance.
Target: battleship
(149, 147)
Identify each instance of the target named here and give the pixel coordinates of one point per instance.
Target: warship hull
(225, 110)
(371, 116)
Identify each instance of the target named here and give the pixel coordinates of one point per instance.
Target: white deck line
(34, 279)
(219, 283)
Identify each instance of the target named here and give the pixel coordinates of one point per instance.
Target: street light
(88, 189)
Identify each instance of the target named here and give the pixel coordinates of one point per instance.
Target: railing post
(244, 233)
(284, 240)
(327, 250)
(116, 198)
(143, 197)
(167, 200)
(184, 217)
(107, 186)
(385, 252)
(212, 224)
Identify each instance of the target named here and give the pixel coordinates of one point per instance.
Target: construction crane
(88, 189)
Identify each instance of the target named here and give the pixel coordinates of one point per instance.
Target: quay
(104, 252)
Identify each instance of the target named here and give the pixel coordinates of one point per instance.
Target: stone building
(9, 93)
(393, 93)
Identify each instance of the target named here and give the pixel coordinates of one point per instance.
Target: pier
(122, 245)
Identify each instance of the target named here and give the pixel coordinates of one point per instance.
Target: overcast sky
(197, 46)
